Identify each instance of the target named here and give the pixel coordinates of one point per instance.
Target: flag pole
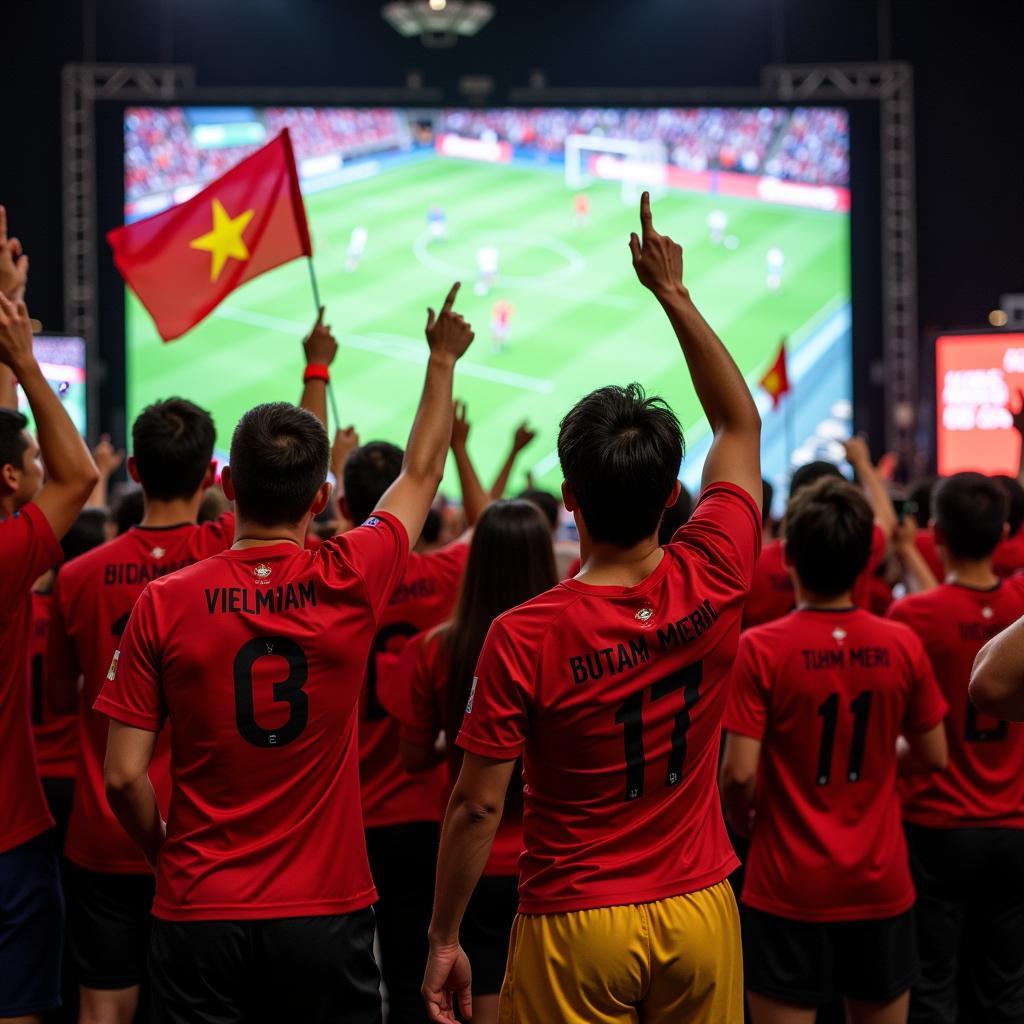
(318, 303)
(790, 428)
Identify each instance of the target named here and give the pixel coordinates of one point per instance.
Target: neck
(970, 572)
(608, 565)
(170, 513)
(256, 535)
(8, 506)
(809, 599)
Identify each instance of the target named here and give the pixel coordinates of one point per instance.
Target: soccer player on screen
(581, 207)
(256, 657)
(110, 882)
(501, 317)
(718, 221)
(774, 263)
(487, 259)
(437, 223)
(356, 247)
(818, 701)
(965, 827)
(34, 517)
(611, 687)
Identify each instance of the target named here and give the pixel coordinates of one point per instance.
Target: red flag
(184, 262)
(776, 380)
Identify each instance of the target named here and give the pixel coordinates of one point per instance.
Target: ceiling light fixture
(437, 22)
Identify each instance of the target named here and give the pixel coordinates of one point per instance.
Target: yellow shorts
(677, 960)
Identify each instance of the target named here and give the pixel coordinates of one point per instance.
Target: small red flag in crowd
(776, 380)
(183, 262)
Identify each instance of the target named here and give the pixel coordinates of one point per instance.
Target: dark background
(970, 149)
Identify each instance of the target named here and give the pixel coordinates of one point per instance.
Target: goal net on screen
(638, 165)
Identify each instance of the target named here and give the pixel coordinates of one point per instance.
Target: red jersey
(984, 784)
(614, 698)
(93, 598)
(419, 702)
(772, 594)
(924, 541)
(56, 736)
(424, 599)
(28, 547)
(256, 657)
(828, 693)
(1009, 556)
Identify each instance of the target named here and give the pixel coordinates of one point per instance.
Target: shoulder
(917, 606)
(81, 569)
(773, 638)
(895, 631)
(531, 620)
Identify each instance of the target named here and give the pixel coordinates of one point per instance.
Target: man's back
(256, 658)
(93, 599)
(984, 784)
(617, 694)
(827, 692)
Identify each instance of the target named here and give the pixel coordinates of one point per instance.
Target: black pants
(317, 970)
(403, 859)
(970, 923)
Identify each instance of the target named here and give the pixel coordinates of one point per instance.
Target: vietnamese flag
(776, 380)
(183, 262)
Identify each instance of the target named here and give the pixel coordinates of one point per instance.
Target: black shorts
(486, 929)
(31, 928)
(317, 970)
(808, 963)
(108, 926)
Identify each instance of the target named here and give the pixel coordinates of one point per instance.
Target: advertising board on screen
(979, 378)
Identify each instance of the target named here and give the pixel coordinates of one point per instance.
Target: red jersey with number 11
(614, 696)
(256, 657)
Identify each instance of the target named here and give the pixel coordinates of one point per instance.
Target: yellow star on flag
(771, 382)
(225, 241)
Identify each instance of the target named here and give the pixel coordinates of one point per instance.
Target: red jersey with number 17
(827, 693)
(614, 697)
(92, 600)
(984, 784)
(256, 657)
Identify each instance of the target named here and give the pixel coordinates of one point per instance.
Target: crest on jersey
(158, 553)
(262, 572)
(472, 694)
(644, 614)
(112, 671)
(987, 613)
(838, 634)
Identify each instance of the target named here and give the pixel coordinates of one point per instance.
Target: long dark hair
(510, 561)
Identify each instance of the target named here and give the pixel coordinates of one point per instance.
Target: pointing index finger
(646, 223)
(450, 300)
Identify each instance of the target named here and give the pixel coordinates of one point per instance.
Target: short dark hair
(767, 496)
(1015, 494)
(829, 529)
(279, 459)
(675, 516)
(545, 501)
(920, 498)
(12, 438)
(88, 531)
(805, 475)
(620, 452)
(970, 510)
(129, 509)
(369, 471)
(172, 444)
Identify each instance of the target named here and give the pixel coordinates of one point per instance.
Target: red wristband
(316, 371)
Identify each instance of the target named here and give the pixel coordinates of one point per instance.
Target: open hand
(107, 458)
(448, 334)
(345, 443)
(857, 452)
(460, 425)
(321, 346)
(657, 260)
(446, 983)
(523, 436)
(15, 335)
(13, 263)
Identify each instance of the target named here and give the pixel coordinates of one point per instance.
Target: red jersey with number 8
(614, 697)
(256, 657)
(828, 693)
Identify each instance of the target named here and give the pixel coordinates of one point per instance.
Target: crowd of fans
(806, 144)
(238, 712)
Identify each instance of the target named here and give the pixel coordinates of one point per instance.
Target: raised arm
(108, 460)
(409, 497)
(997, 681)
(320, 348)
(522, 437)
(735, 454)
(474, 498)
(858, 455)
(917, 574)
(69, 466)
(13, 279)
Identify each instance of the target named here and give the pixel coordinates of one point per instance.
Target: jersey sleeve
(215, 536)
(377, 552)
(132, 692)
(726, 529)
(498, 711)
(421, 720)
(926, 706)
(746, 710)
(28, 547)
